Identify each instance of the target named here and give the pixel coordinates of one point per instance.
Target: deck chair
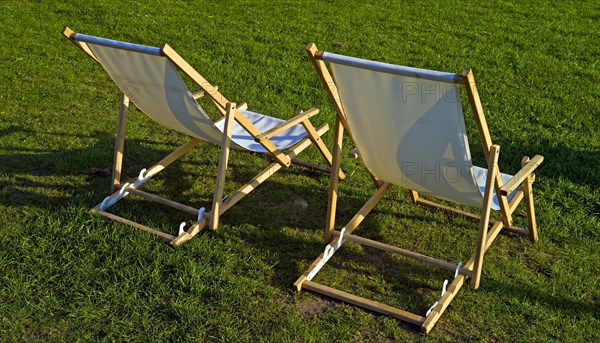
(148, 77)
(408, 129)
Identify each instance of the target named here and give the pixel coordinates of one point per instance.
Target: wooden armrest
(286, 125)
(202, 92)
(519, 177)
(198, 94)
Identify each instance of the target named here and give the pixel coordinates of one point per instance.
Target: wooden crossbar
(309, 165)
(513, 204)
(403, 252)
(522, 174)
(160, 200)
(158, 233)
(363, 302)
(300, 117)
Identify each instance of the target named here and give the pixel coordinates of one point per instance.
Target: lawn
(69, 275)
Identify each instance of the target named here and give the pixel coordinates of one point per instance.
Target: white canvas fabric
(152, 83)
(481, 177)
(410, 131)
(263, 123)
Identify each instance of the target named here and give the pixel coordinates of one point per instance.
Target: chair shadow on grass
(560, 161)
(50, 178)
(292, 239)
(34, 177)
(414, 286)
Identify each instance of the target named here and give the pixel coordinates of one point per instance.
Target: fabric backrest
(152, 83)
(408, 126)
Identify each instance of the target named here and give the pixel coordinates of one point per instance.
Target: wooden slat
(327, 80)
(433, 204)
(158, 233)
(67, 32)
(457, 283)
(516, 230)
(222, 168)
(514, 202)
(366, 303)
(528, 191)
(311, 166)
(531, 221)
(406, 253)
(367, 207)
(482, 127)
(305, 142)
(198, 94)
(320, 145)
(267, 144)
(512, 229)
(485, 216)
(120, 142)
(334, 180)
(304, 277)
(414, 196)
(300, 117)
(502, 201)
(212, 91)
(522, 174)
(160, 200)
(491, 235)
(159, 166)
(173, 156)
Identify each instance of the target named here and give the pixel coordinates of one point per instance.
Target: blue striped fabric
(117, 44)
(390, 68)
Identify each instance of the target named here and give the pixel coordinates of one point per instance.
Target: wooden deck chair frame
(488, 229)
(231, 113)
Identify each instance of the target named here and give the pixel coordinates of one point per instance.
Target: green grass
(67, 275)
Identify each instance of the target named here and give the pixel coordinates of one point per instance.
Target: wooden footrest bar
(366, 303)
(403, 252)
(160, 200)
(160, 234)
(517, 230)
(433, 204)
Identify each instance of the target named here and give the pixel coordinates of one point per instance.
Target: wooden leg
(120, 141)
(528, 190)
(222, 169)
(334, 180)
(485, 216)
(414, 196)
(318, 142)
(503, 202)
